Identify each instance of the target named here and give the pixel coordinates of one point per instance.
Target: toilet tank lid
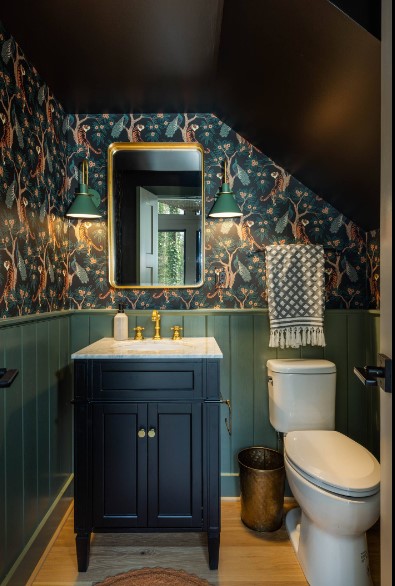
(301, 366)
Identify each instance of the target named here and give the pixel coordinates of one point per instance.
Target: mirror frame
(147, 146)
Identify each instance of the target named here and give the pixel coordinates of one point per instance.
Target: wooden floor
(247, 558)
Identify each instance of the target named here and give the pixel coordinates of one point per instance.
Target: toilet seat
(333, 462)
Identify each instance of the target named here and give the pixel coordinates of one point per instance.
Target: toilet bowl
(335, 480)
(336, 484)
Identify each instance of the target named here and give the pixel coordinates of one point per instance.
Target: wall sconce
(225, 205)
(86, 199)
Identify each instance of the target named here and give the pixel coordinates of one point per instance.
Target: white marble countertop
(149, 348)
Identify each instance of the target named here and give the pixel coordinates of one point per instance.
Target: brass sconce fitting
(139, 333)
(176, 333)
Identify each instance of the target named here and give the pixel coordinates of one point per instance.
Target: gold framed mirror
(156, 215)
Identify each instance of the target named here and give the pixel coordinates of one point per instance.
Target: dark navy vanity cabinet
(146, 448)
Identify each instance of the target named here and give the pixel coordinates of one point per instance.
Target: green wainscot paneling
(35, 428)
(243, 336)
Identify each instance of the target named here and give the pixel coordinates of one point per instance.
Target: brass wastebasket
(262, 482)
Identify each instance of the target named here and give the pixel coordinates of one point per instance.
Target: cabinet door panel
(120, 465)
(174, 465)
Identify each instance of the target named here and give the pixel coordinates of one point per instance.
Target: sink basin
(166, 344)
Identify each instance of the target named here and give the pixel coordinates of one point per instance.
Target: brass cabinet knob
(141, 432)
(152, 432)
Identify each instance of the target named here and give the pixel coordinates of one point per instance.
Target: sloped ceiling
(300, 79)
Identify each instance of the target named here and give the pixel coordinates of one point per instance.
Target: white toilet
(335, 480)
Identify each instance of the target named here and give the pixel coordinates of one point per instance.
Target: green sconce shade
(84, 205)
(225, 205)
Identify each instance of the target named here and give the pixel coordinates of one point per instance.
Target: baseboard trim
(22, 569)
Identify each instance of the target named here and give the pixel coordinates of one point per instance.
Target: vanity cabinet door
(147, 465)
(175, 465)
(119, 465)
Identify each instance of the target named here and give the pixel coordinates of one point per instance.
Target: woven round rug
(154, 577)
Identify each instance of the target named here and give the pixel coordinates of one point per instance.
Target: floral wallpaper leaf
(118, 127)
(282, 223)
(336, 224)
(21, 266)
(172, 127)
(50, 270)
(6, 50)
(80, 272)
(18, 133)
(66, 123)
(242, 175)
(41, 95)
(351, 273)
(10, 194)
(244, 272)
(225, 129)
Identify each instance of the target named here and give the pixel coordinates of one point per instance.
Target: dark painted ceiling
(300, 79)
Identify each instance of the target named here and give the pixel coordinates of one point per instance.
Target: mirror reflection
(156, 219)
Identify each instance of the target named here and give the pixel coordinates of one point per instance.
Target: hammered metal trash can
(262, 481)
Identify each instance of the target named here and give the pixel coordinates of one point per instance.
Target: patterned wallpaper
(47, 264)
(33, 188)
(276, 209)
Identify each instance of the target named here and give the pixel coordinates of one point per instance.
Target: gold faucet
(156, 318)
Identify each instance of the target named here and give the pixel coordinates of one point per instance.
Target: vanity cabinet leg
(82, 543)
(213, 551)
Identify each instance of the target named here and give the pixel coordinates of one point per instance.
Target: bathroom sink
(107, 348)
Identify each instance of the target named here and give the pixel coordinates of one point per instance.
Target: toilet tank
(301, 394)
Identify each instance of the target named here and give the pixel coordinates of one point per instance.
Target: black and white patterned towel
(296, 295)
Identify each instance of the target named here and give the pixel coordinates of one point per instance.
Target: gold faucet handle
(139, 333)
(176, 332)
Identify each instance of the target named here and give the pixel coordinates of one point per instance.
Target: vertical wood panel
(219, 327)
(65, 397)
(373, 348)
(242, 383)
(101, 326)
(336, 350)
(79, 332)
(29, 429)
(14, 447)
(264, 433)
(195, 325)
(43, 436)
(358, 394)
(54, 406)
